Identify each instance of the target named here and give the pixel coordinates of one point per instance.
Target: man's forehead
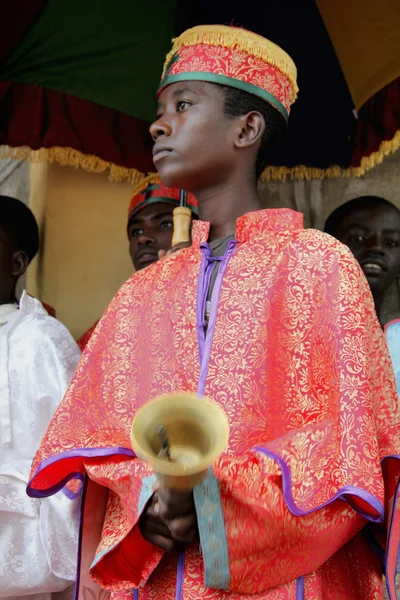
(374, 217)
(197, 88)
(153, 212)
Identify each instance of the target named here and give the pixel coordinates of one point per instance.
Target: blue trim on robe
(211, 524)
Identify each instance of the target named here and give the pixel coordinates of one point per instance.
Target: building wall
(84, 256)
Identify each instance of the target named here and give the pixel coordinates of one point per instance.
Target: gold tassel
(69, 157)
(302, 172)
(235, 37)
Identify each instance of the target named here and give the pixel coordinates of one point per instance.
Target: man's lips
(372, 267)
(160, 152)
(146, 256)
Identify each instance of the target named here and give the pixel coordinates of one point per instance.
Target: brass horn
(180, 436)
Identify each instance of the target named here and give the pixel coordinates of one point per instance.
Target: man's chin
(171, 176)
(140, 266)
(377, 283)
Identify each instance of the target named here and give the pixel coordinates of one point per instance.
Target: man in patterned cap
(291, 350)
(150, 226)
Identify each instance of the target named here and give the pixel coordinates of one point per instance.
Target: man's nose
(145, 239)
(375, 244)
(160, 127)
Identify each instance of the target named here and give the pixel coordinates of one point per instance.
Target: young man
(370, 227)
(150, 227)
(291, 350)
(38, 541)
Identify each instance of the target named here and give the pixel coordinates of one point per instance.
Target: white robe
(38, 537)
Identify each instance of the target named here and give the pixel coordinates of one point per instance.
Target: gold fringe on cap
(236, 37)
(142, 185)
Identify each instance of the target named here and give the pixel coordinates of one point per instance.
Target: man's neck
(223, 204)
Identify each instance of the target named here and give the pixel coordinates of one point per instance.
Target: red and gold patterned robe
(296, 357)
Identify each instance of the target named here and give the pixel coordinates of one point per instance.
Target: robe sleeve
(128, 562)
(39, 537)
(267, 544)
(288, 505)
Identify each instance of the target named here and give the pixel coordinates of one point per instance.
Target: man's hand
(169, 520)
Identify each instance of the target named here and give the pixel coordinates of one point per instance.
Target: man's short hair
(238, 102)
(18, 222)
(336, 217)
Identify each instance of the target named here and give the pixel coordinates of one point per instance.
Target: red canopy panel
(79, 132)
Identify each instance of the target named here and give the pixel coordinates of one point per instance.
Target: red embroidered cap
(235, 57)
(150, 191)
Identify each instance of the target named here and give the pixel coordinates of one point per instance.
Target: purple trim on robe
(201, 299)
(72, 495)
(300, 588)
(388, 582)
(78, 452)
(79, 557)
(135, 595)
(179, 575)
(205, 356)
(340, 494)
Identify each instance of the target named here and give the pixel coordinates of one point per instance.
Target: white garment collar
(27, 306)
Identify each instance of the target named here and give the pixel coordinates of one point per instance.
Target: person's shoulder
(39, 328)
(316, 239)
(319, 237)
(158, 273)
(45, 326)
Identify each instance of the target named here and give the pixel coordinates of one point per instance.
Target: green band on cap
(230, 82)
(160, 200)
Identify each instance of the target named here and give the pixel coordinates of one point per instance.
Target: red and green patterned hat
(235, 57)
(150, 191)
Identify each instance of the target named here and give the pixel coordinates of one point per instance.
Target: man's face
(373, 236)
(193, 137)
(149, 231)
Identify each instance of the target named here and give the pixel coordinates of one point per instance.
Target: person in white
(38, 356)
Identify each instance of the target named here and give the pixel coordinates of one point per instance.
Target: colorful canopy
(78, 79)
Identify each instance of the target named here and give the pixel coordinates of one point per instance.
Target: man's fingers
(184, 529)
(179, 247)
(155, 526)
(162, 542)
(174, 504)
(162, 253)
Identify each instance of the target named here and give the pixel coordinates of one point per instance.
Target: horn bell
(195, 429)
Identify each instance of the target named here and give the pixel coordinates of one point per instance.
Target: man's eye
(182, 105)
(357, 239)
(165, 224)
(391, 243)
(136, 232)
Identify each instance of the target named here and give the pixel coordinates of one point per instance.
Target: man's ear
(20, 263)
(252, 127)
